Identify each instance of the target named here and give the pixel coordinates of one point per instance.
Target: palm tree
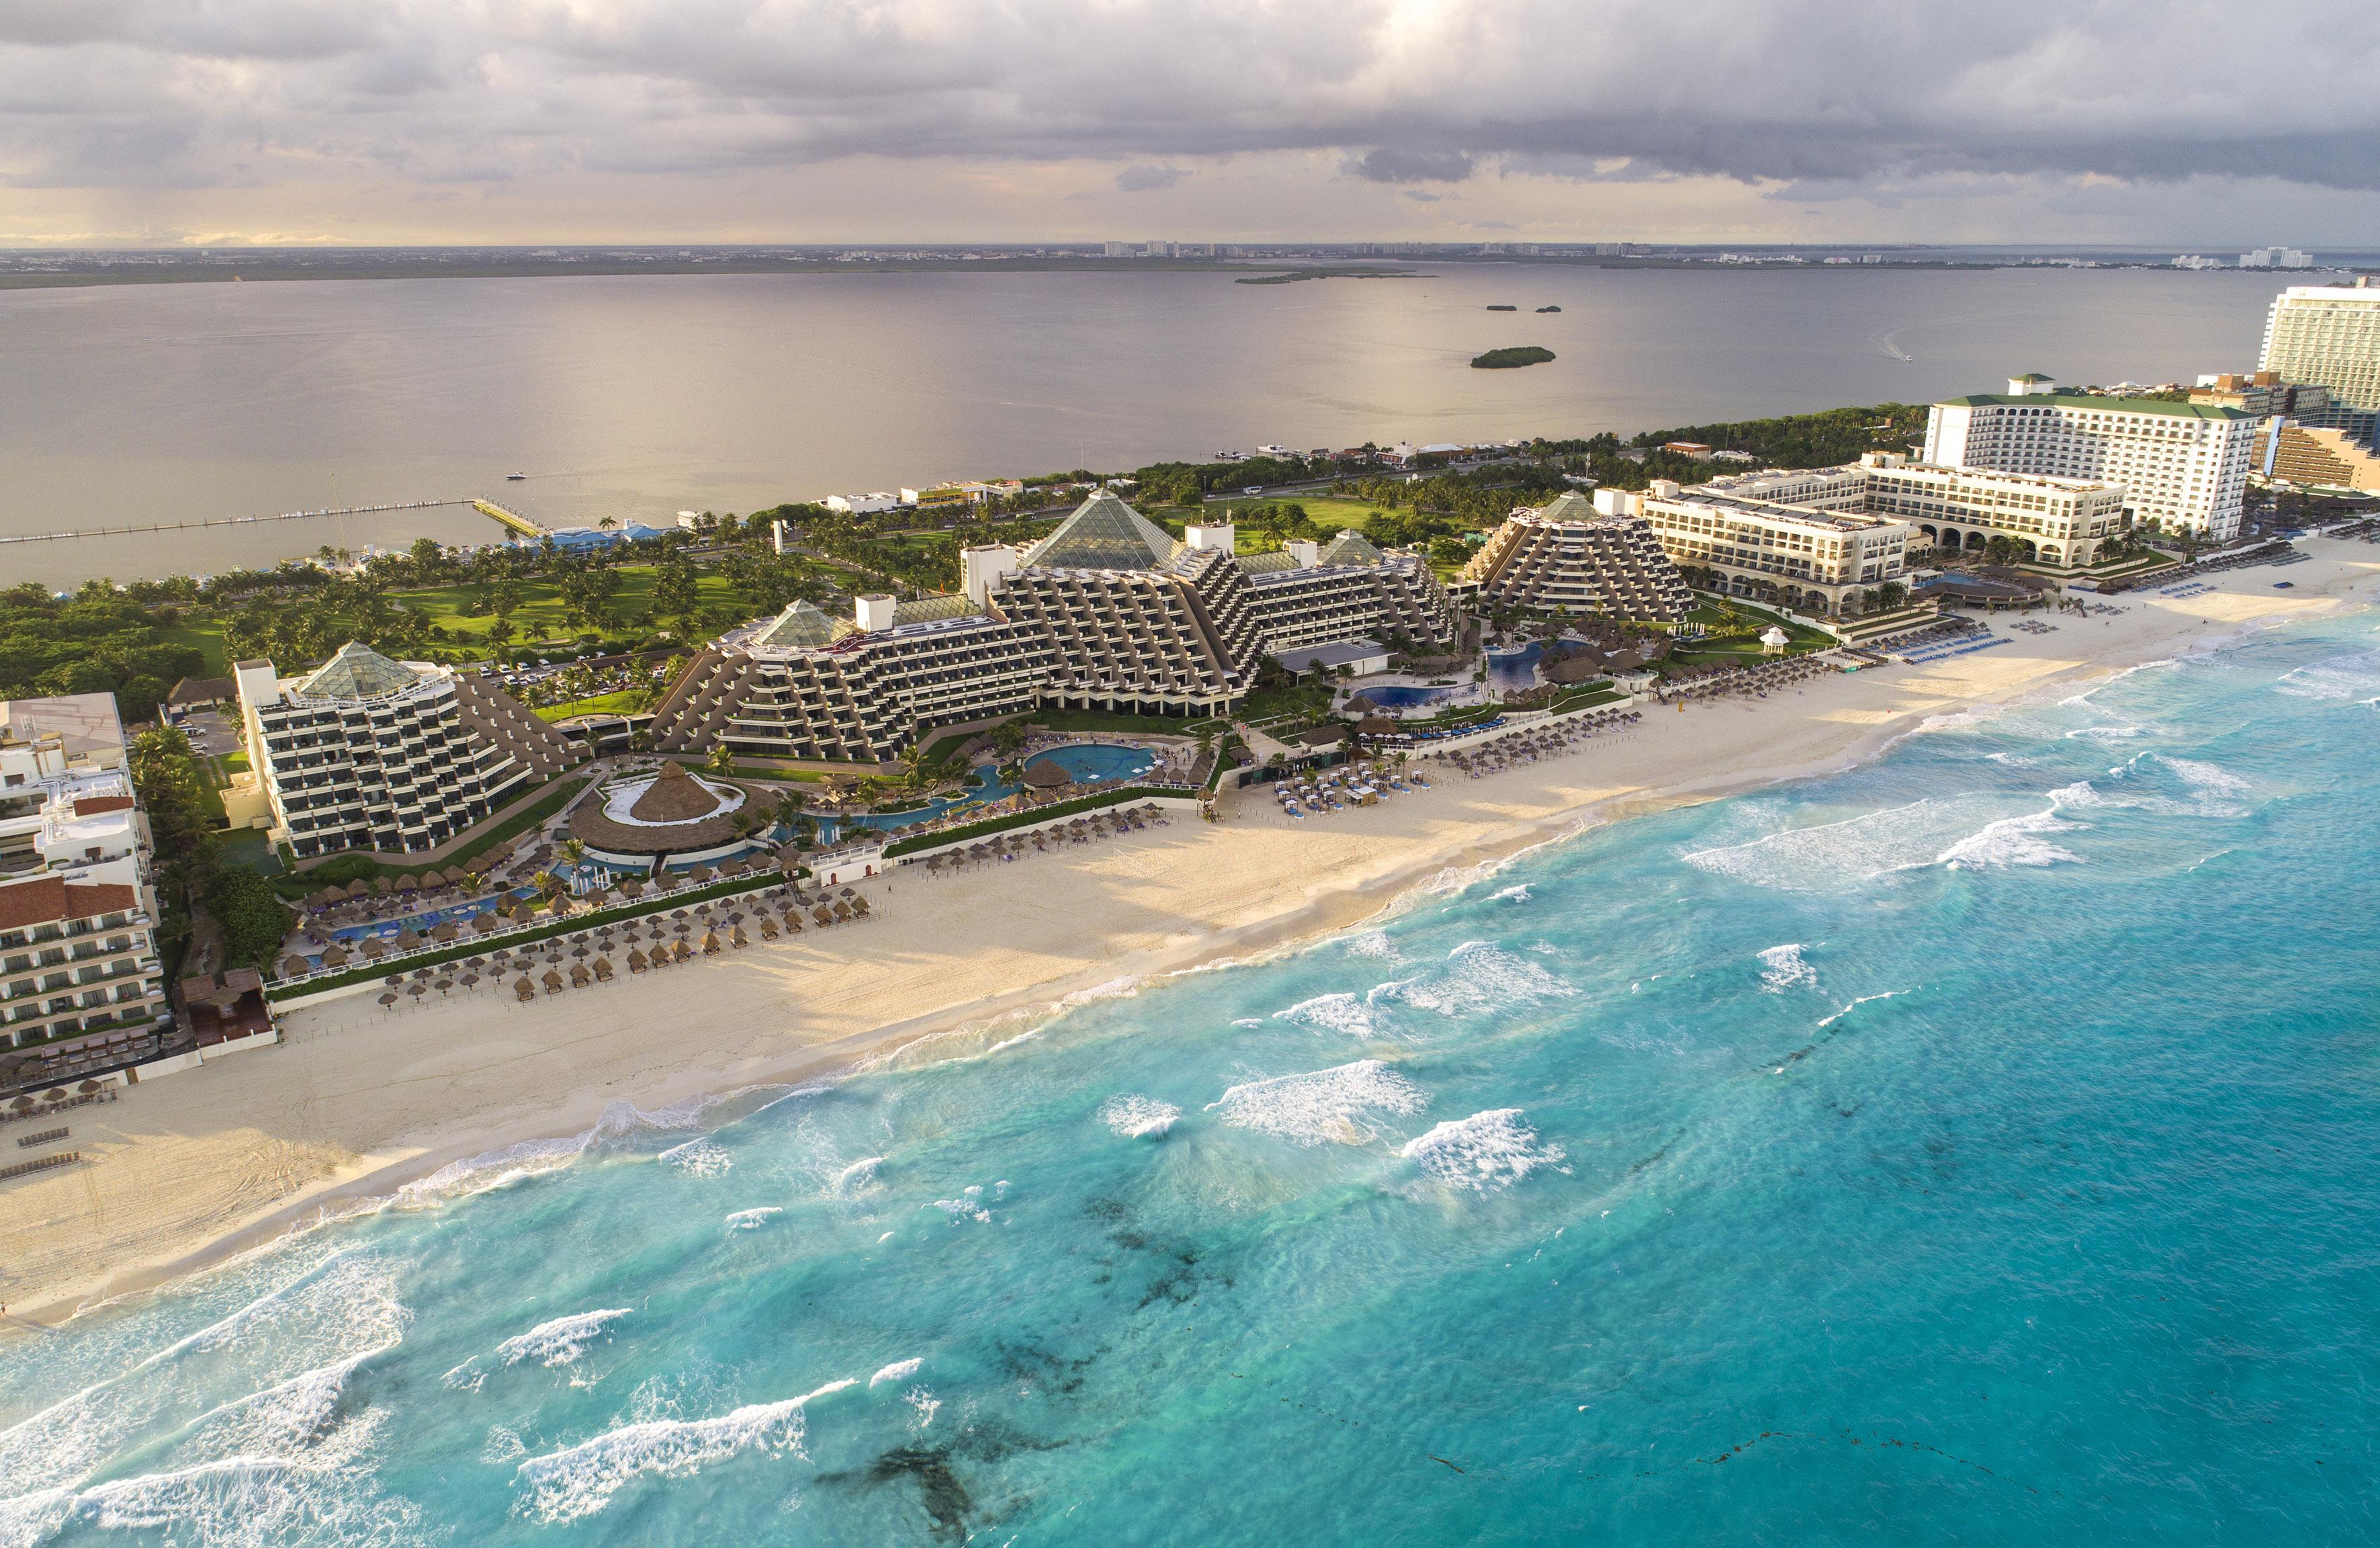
(789, 807)
(573, 851)
(720, 758)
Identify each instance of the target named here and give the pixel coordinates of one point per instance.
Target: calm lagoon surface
(1973, 1147)
(637, 397)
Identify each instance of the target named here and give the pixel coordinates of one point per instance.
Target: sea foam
(1485, 1151)
(580, 1480)
(702, 1158)
(561, 1341)
(1343, 1014)
(1782, 968)
(1478, 977)
(753, 1219)
(1139, 1117)
(1325, 1107)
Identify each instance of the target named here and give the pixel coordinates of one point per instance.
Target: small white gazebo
(1773, 640)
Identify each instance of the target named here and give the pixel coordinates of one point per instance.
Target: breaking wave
(580, 1480)
(1782, 968)
(1343, 1013)
(1479, 976)
(1326, 1107)
(753, 1219)
(1485, 1151)
(1139, 1117)
(702, 1158)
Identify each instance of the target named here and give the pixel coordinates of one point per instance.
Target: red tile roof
(48, 899)
(92, 805)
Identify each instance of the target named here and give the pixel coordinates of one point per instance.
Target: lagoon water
(636, 397)
(1972, 1148)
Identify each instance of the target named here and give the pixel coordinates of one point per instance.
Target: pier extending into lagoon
(229, 521)
(525, 526)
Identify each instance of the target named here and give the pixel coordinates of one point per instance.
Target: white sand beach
(359, 1100)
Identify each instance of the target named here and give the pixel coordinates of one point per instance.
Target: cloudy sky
(2161, 122)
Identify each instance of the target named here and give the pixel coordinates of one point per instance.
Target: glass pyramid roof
(357, 672)
(1569, 506)
(1104, 535)
(802, 623)
(1350, 547)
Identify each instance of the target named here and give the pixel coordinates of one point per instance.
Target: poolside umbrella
(374, 948)
(444, 931)
(334, 957)
(409, 883)
(407, 940)
(358, 888)
(632, 888)
(700, 874)
(292, 966)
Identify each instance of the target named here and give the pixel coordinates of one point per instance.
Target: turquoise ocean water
(1976, 1147)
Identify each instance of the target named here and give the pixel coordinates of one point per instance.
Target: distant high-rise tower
(1116, 249)
(2330, 336)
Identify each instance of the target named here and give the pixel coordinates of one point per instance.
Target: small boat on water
(514, 478)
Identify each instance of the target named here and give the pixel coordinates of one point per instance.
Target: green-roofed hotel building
(2182, 466)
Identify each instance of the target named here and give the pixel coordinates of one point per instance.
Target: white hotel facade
(2182, 466)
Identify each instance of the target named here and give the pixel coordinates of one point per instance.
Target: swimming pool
(1511, 670)
(1086, 763)
(1396, 696)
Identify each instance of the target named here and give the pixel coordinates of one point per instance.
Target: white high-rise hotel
(2330, 336)
(2183, 466)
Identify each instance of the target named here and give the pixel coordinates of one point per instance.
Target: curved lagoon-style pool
(1088, 764)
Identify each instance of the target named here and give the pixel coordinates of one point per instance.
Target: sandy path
(358, 1099)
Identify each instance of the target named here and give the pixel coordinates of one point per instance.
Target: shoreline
(359, 1104)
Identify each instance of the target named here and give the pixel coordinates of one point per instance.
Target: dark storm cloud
(1835, 92)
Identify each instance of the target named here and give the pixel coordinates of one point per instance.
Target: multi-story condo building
(2182, 466)
(1572, 557)
(77, 909)
(2264, 395)
(1107, 612)
(2329, 335)
(2311, 456)
(368, 753)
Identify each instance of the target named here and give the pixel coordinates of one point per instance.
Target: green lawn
(1326, 511)
(206, 638)
(628, 700)
(461, 610)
